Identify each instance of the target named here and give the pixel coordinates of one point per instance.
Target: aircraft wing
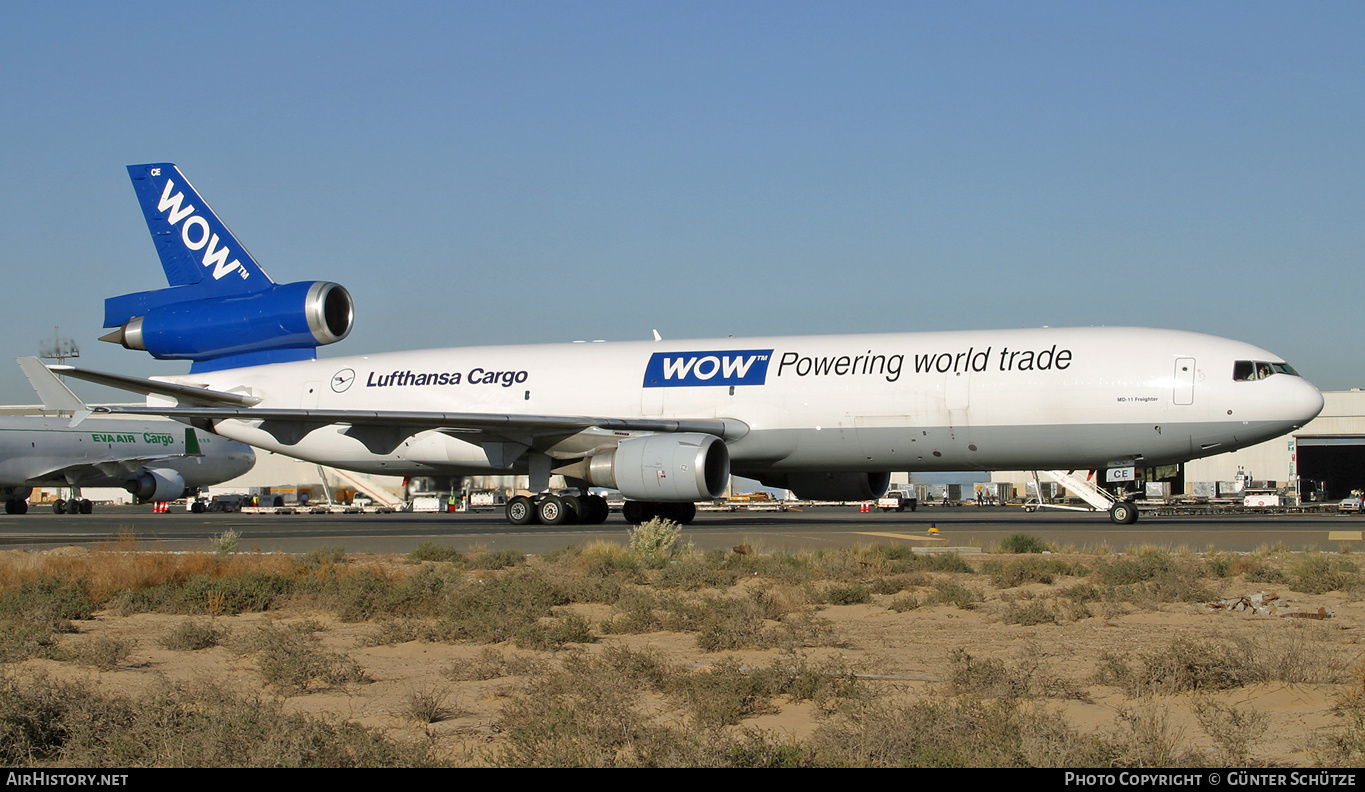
(384, 430)
(380, 430)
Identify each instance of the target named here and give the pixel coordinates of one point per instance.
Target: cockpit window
(1246, 370)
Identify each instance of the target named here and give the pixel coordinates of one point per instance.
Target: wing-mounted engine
(301, 315)
(677, 468)
(832, 486)
(156, 485)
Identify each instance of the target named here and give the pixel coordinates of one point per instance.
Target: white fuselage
(985, 400)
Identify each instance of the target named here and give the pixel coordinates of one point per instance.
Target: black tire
(639, 512)
(554, 510)
(59, 506)
(197, 508)
(521, 510)
(596, 510)
(680, 513)
(86, 506)
(1123, 513)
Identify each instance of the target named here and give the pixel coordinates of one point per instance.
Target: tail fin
(195, 246)
(221, 310)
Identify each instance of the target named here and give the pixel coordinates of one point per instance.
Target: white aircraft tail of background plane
(666, 423)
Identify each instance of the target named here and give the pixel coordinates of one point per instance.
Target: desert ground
(867, 656)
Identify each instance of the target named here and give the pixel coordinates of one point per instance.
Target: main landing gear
(550, 509)
(73, 506)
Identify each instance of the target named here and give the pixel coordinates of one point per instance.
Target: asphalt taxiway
(963, 528)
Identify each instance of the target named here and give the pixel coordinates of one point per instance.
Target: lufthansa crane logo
(342, 380)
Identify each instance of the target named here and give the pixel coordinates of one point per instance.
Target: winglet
(52, 391)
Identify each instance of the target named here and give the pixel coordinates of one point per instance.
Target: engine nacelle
(677, 468)
(300, 315)
(832, 486)
(155, 485)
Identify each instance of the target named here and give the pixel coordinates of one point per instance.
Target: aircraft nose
(1303, 402)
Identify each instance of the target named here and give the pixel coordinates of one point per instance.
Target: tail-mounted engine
(301, 315)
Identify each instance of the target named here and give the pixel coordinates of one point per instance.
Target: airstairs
(1121, 512)
(365, 483)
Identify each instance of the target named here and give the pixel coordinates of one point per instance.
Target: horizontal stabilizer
(185, 394)
(51, 391)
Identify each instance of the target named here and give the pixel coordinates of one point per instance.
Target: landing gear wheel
(554, 510)
(86, 506)
(595, 510)
(59, 506)
(680, 513)
(639, 512)
(521, 510)
(1123, 513)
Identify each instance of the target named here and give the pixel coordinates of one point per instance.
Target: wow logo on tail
(221, 310)
(191, 240)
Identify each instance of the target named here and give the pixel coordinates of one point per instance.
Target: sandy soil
(911, 649)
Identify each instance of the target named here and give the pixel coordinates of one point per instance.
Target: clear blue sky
(492, 172)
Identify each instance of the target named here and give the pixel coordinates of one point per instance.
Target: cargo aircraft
(666, 423)
(153, 460)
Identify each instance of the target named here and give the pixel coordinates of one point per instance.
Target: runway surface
(965, 529)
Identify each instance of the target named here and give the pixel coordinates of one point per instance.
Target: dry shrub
(50, 723)
(292, 658)
(101, 652)
(1235, 729)
(1027, 675)
(1145, 738)
(964, 731)
(191, 636)
(429, 704)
